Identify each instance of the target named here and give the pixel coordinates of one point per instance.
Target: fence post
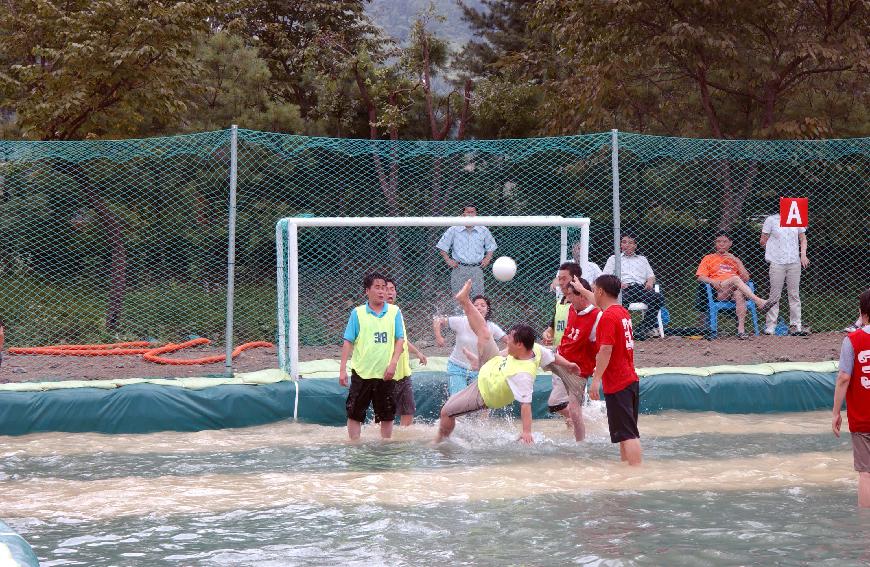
(614, 161)
(231, 247)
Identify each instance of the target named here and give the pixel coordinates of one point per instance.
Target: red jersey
(578, 345)
(614, 329)
(858, 394)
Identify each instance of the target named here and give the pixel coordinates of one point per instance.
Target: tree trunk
(114, 233)
(733, 194)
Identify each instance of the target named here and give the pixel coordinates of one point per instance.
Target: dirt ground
(670, 351)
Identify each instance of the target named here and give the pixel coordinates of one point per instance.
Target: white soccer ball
(504, 268)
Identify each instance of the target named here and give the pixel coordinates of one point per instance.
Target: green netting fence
(112, 240)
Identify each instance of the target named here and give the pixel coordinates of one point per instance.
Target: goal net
(321, 263)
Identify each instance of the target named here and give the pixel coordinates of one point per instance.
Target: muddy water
(715, 489)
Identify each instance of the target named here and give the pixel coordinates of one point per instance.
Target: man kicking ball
(503, 378)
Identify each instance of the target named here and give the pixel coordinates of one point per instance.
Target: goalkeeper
(503, 378)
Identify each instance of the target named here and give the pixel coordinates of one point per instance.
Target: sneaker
(850, 329)
(770, 331)
(796, 331)
(767, 305)
(742, 336)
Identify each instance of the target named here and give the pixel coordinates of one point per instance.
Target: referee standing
(467, 250)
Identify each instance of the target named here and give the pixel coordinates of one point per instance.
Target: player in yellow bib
(503, 377)
(375, 336)
(403, 393)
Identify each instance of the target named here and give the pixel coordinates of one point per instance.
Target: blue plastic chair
(715, 306)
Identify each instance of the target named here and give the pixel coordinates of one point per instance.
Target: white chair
(638, 306)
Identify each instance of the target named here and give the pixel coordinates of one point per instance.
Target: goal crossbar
(288, 260)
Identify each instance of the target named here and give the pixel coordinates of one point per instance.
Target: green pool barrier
(195, 404)
(14, 549)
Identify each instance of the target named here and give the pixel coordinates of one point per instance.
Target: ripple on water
(715, 489)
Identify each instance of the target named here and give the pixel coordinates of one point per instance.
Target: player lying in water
(504, 377)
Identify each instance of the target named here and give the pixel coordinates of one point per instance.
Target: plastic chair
(639, 306)
(714, 306)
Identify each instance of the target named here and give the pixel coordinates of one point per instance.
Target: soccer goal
(321, 263)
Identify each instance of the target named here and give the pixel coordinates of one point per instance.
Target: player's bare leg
(353, 429)
(575, 417)
(386, 429)
(445, 427)
(631, 452)
(475, 319)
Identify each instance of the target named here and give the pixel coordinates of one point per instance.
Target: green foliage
(739, 69)
(87, 68)
(233, 89)
(288, 37)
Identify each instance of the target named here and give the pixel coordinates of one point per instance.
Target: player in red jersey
(578, 346)
(853, 384)
(614, 368)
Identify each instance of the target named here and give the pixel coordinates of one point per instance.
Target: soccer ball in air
(504, 268)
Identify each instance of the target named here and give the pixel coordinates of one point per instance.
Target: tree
(233, 89)
(89, 68)
(507, 102)
(95, 68)
(503, 31)
(287, 36)
(739, 69)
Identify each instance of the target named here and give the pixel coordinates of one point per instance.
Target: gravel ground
(670, 351)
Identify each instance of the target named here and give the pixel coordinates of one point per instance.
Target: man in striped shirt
(467, 250)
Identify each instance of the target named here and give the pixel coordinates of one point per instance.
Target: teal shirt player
(351, 332)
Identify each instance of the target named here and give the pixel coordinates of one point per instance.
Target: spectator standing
(467, 250)
(638, 281)
(589, 271)
(785, 249)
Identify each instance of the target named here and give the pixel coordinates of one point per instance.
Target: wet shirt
(614, 328)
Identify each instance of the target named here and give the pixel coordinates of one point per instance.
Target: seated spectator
(728, 276)
(638, 281)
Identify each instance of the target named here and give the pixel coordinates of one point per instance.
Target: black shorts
(622, 408)
(375, 391)
(403, 397)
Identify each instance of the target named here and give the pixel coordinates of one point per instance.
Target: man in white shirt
(638, 281)
(589, 271)
(785, 248)
(467, 250)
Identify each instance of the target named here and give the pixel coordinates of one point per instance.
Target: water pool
(715, 489)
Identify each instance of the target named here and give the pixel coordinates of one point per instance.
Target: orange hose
(78, 352)
(110, 349)
(149, 354)
(154, 354)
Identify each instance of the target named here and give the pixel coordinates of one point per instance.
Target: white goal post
(287, 231)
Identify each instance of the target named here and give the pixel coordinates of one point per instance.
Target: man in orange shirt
(728, 276)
